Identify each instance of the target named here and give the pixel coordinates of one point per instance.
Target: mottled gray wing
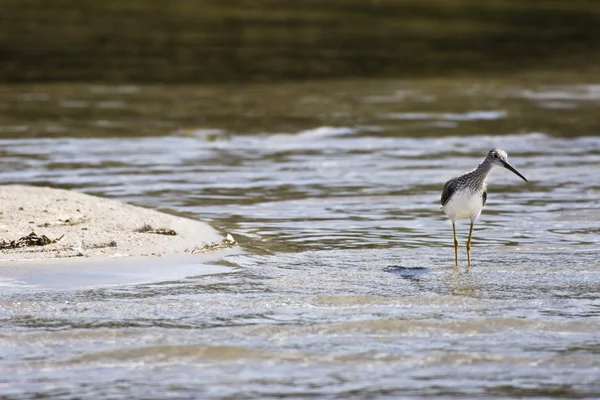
(449, 189)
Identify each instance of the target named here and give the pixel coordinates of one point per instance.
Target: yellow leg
(469, 245)
(455, 244)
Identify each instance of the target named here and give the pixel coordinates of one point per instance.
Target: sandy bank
(45, 223)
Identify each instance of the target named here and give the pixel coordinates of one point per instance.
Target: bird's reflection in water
(461, 283)
(453, 281)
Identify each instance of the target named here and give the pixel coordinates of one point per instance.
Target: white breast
(464, 205)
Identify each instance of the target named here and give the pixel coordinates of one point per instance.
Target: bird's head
(498, 157)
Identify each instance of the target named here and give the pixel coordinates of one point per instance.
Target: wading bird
(463, 197)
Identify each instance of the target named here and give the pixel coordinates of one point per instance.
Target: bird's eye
(495, 155)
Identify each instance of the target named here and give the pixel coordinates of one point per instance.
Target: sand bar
(41, 223)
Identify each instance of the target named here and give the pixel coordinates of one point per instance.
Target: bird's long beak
(511, 168)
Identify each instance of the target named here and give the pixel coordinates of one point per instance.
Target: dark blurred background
(273, 40)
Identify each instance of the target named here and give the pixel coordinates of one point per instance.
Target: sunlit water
(346, 287)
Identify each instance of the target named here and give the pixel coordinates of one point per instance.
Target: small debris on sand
(226, 243)
(33, 239)
(112, 243)
(160, 231)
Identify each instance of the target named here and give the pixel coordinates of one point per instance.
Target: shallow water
(346, 287)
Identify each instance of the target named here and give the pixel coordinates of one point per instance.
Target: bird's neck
(482, 170)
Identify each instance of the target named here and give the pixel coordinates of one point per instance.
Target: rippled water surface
(346, 287)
